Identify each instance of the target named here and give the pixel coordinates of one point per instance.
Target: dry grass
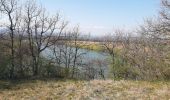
(86, 90)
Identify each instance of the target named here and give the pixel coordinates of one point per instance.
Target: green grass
(93, 47)
(84, 90)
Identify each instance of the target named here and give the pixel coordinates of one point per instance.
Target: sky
(100, 17)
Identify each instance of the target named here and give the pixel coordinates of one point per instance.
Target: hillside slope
(85, 90)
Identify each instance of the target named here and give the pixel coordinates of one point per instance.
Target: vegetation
(35, 44)
(95, 46)
(84, 90)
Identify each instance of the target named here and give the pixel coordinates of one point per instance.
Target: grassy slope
(85, 90)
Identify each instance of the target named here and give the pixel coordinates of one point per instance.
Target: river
(97, 60)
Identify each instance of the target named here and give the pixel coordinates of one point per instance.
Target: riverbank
(89, 45)
(84, 90)
(94, 46)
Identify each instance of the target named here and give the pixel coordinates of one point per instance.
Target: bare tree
(9, 8)
(20, 30)
(41, 30)
(67, 52)
(112, 44)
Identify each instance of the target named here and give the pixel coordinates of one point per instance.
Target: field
(84, 90)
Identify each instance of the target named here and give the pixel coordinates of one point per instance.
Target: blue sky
(102, 16)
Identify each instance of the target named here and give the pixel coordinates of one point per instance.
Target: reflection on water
(97, 60)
